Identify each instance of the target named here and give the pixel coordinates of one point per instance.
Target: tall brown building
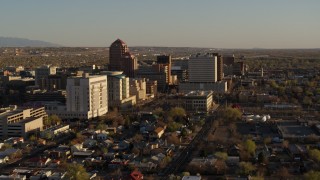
(166, 60)
(220, 73)
(120, 59)
(219, 68)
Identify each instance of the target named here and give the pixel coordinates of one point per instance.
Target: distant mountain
(21, 42)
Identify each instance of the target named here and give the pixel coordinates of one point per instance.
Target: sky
(172, 23)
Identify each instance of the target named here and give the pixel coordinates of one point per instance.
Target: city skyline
(213, 24)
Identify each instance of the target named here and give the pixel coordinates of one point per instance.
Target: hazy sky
(192, 23)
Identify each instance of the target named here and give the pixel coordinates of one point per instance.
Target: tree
(314, 154)
(54, 119)
(307, 101)
(283, 174)
(250, 146)
(221, 155)
(33, 138)
(230, 114)
(267, 140)
(101, 126)
(262, 158)
(177, 112)
(311, 175)
(158, 111)
(246, 168)
(77, 172)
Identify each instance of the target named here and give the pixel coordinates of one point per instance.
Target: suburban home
(60, 152)
(4, 159)
(157, 133)
(38, 162)
(136, 175)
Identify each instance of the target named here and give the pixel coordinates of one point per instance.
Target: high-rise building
(119, 90)
(166, 60)
(228, 60)
(203, 68)
(87, 96)
(120, 59)
(42, 73)
(220, 73)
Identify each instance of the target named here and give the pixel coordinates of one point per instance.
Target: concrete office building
(198, 101)
(42, 73)
(166, 60)
(155, 72)
(203, 68)
(138, 88)
(203, 74)
(120, 59)
(20, 122)
(119, 90)
(220, 74)
(86, 97)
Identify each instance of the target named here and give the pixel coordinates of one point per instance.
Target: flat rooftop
(198, 93)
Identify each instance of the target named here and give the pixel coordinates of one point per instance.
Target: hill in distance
(22, 42)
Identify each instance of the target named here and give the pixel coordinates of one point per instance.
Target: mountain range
(22, 42)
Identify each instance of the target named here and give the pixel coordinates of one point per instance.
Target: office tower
(155, 72)
(166, 60)
(87, 96)
(228, 60)
(42, 73)
(239, 68)
(203, 68)
(138, 88)
(120, 59)
(220, 73)
(119, 90)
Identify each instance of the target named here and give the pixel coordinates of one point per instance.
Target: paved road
(181, 160)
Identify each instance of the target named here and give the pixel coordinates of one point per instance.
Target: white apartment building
(138, 88)
(86, 97)
(119, 90)
(202, 68)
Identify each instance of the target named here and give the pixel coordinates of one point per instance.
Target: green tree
(311, 175)
(314, 154)
(173, 126)
(221, 155)
(54, 119)
(230, 114)
(33, 138)
(101, 126)
(250, 146)
(77, 172)
(246, 168)
(177, 112)
(262, 158)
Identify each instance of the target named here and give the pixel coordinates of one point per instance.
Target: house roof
(158, 130)
(136, 175)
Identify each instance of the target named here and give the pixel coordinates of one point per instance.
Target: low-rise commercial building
(16, 122)
(198, 101)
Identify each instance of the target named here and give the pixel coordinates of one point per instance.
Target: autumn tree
(230, 114)
(250, 146)
(311, 175)
(177, 112)
(246, 168)
(221, 155)
(77, 172)
(314, 154)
